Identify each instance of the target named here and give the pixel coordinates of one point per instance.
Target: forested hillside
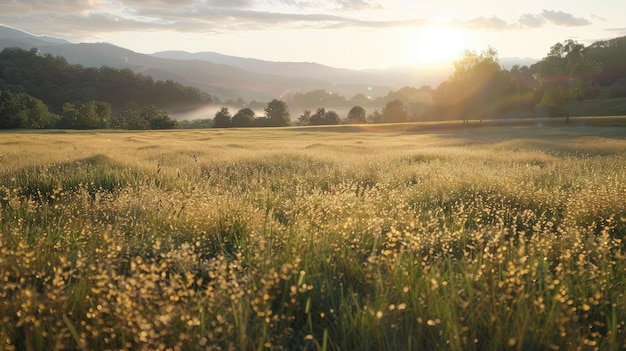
(54, 81)
(611, 54)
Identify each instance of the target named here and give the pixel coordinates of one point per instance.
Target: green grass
(433, 236)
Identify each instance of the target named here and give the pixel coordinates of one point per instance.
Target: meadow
(407, 237)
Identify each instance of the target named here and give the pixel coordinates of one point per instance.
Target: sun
(432, 44)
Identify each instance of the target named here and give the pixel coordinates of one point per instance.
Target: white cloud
(491, 23)
(561, 18)
(531, 21)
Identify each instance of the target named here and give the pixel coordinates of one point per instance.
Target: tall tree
(332, 117)
(132, 120)
(158, 118)
(563, 75)
(277, 113)
(305, 118)
(222, 118)
(357, 114)
(319, 117)
(474, 88)
(375, 117)
(243, 118)
(395, 112)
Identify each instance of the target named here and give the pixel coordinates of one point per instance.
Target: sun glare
(433, 44)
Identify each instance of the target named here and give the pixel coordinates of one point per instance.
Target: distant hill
(223, 81)
(7, 34)
(229, 77)
(395, 77)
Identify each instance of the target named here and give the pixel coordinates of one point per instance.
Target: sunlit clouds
(233, 27)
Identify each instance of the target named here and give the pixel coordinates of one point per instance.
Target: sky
(357, 34)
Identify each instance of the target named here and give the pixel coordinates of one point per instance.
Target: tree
(222, 118)
(305, 118)
(158, 118)
(375, 117)
(243, 118)
(395, 112)
(278, 113)
(131, 120)
(564, 74)
(91, 115)
(318, 118)
(332, 117)
(474, 88)
(418, 102)
(357, 114)
(98, 112)
(20, 110)
(146, 117)
(323, 117)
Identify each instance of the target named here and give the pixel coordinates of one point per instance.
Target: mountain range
(231, 78)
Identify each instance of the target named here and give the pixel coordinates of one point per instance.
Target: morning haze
(307, 175)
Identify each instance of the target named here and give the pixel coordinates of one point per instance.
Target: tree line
(20, 110)
(45, 91)
(480, 88)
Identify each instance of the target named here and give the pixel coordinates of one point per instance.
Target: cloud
(597, 18)
(357, 5)
(96, 17)
(231, 3)
(558, 18)
(528, 20)
(491, 23)
(77, 20)
(344, 5)
(531, 21)
(561, 18)
(22, 7)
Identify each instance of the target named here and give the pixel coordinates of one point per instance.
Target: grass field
(409, 237)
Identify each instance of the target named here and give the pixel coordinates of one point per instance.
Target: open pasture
(341, 238)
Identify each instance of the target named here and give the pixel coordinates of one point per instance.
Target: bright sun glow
(436, 43)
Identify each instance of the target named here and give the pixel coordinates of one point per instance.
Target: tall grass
(502, 238)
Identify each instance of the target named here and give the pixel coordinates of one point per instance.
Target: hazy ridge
(229, 77)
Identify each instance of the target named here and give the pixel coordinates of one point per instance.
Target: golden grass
(501, 237)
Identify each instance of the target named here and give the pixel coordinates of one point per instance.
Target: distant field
(493, 236)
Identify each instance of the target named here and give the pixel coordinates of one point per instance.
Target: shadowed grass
(95, 173)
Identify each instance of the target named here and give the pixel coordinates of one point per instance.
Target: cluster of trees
(417, 101)
(480, 87)
(395, 111)
(276, 115)
(20, 110)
